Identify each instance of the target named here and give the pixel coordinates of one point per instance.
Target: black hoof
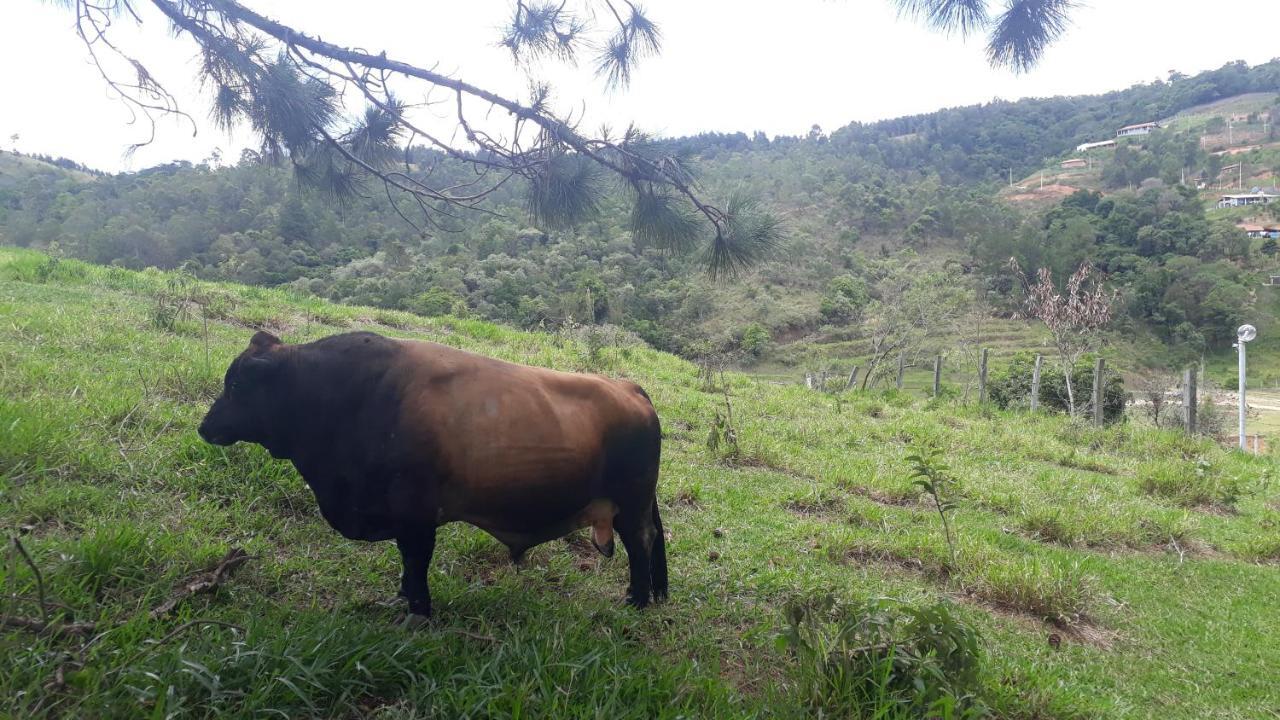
(636, 602)
(413, 622)
(421, 607)
(606, 550)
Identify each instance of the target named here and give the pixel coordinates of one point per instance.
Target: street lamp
(1244, 334)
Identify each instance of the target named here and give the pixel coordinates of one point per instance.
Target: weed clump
(1190, 485)
(818, 503)
(883, 658)
(171, 305)
(1048, 523)
(1054, 591)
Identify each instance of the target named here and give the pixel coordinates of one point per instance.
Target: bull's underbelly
(522, 533)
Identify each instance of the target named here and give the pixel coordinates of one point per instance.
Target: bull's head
(251, 399)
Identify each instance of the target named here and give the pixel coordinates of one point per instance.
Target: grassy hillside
(16, 169)
(1250, 141)
(1119, 572)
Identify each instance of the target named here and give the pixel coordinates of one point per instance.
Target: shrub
(171, 305)
(845, 299)
(432, 303)
(1010, 386)
(755, 339)
(883, 658)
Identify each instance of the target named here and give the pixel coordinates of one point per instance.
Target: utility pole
(1244, 334)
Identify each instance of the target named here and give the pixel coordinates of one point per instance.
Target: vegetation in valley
(1095, 570)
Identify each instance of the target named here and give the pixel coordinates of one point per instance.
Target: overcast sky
(727, 65)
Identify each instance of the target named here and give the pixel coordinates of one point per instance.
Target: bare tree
(1154, 391)
(910, 305)
(1074, 318)
(971, 329)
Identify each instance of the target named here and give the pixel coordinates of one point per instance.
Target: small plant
(1211, 419)
(171, 305)
(933, 476)
(46, 269)
(723, 438)
(883, 658)
(596, 341)
(711, 362)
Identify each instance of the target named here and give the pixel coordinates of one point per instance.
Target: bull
(397, 437)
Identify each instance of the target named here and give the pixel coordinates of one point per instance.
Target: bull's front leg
(416, 547)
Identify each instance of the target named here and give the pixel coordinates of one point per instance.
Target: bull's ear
(263, 340)
(261, 364)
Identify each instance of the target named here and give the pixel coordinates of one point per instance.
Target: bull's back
(514, 445)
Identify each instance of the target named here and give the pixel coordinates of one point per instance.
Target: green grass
(1165, 605)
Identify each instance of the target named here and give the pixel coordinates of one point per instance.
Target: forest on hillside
(881, 218)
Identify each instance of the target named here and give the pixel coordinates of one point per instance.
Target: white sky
(726, 65)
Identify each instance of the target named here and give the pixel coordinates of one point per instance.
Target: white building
(1139, 129)
(1085, 147)
(1258, 197)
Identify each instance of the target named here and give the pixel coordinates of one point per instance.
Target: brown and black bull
(398, 437)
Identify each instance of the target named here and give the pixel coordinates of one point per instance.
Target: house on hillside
(1073, 163)
(1086, 147)
(1260, 231)
(1257, 197)
(1139, 129)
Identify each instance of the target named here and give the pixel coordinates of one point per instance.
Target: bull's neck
(329, 404)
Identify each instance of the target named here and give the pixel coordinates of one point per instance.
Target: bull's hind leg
(637, 533)
(416, 548)
(659, 557)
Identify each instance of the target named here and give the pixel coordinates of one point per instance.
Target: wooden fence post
(1189, 401)
(853, 379)
(1035, 383)
(1098, 391)
(982, 376)
(901, 360)
(937, 375)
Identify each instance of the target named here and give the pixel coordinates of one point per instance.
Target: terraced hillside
(1118, 572)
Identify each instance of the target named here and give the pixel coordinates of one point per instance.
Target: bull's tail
(658, 562)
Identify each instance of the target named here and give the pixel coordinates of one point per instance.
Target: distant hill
(866, 206)
(1200, 147)
(16, 167)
